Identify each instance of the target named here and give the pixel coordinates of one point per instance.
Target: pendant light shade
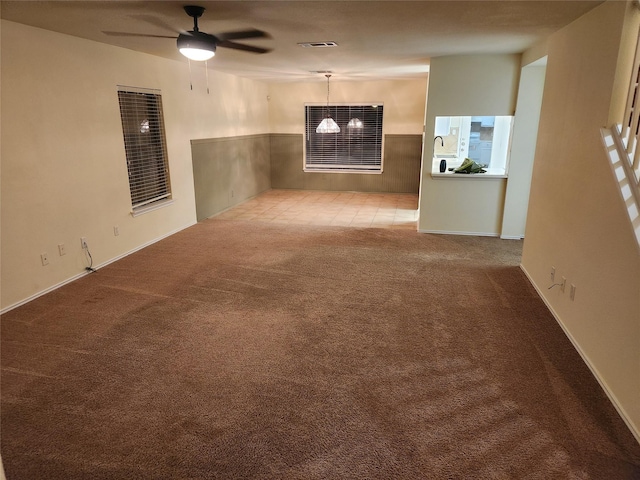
(355, 123)
(328, 124)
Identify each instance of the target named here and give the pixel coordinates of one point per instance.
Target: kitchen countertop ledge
(491, 173)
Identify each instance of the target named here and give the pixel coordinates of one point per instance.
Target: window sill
(151, 207)
(365, 172)
(490, 173)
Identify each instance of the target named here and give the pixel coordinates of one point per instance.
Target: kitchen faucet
(441, 140)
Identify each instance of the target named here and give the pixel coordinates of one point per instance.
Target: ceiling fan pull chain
(190, 81)
(206, 73)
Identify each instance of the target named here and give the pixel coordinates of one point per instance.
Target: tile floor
(346, 209)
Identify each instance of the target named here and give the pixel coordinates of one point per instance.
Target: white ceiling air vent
(318, 44)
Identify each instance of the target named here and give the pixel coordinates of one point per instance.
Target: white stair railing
(621, 166)
(622, 145)
(629, 154)
(627, 132)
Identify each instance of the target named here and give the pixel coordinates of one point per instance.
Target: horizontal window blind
(145, 146)
(358, 145)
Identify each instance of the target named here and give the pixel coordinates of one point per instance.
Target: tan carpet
(239, 350)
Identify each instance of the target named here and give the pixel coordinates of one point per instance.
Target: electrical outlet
(553, 274)
(44, 258)
(61, 249)
(563, 284)
(83, 243)
(116, 231)
(572, 292)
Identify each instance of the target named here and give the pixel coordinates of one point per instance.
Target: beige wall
(577, 220)
(64, 172)
(403, 101)
(465, 85)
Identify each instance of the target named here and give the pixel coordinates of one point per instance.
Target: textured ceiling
(377, 39)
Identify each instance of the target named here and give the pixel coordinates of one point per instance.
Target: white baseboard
(511, 237)
(612, 397)
(446, 232)
(84, 272)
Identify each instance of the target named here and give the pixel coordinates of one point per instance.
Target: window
(483, 139)
(145, 147)
(356, 148)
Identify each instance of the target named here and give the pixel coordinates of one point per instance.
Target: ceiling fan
(197, 45)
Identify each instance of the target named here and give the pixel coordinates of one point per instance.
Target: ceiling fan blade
(243, 34)
(155, 21)
(127, 34)
(245, 48)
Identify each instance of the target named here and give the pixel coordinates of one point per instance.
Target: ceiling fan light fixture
(196, 46)
(197, 54)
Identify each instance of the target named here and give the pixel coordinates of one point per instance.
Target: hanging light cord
(328, 77)
(206, 72)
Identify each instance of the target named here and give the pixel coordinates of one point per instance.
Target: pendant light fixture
(356, 123)
(328, 124)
